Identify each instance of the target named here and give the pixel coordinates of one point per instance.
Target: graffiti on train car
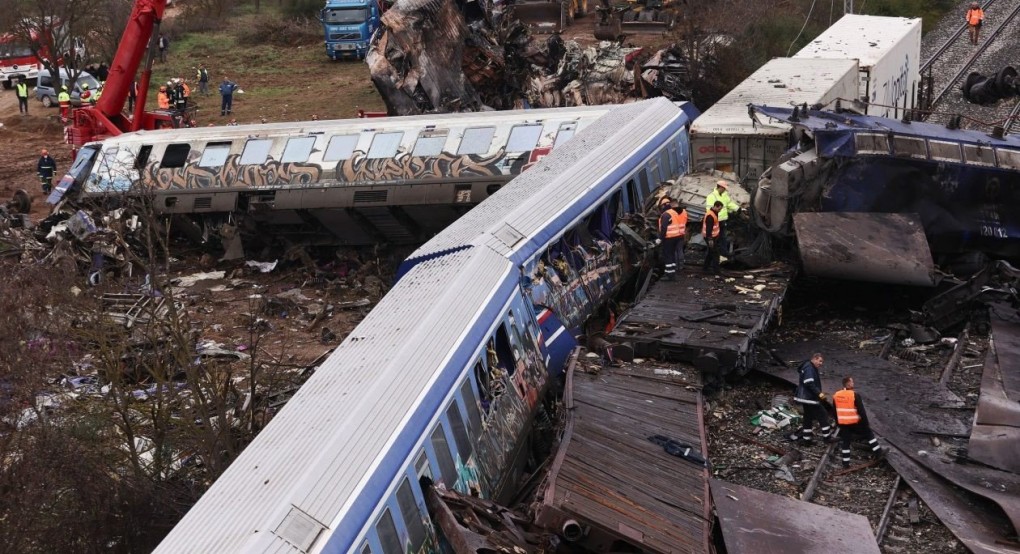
(404, 166)
(577, 278)
(232, 173)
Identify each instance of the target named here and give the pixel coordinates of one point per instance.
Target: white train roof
(360, 414)
(532, 209)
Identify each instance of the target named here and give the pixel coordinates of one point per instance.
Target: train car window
(977, 154)
(476, 140)
(633, 197)
(256, 151)
(385, 145)
(643, 179)
(386, 529)
(114, 172)
(460, 435)
(1009, 159)
(945, 151)
(447, 468)
(429, 145)
(421, 465)
(215, 154)
(504, 355)
(175, 155)
(474, 420)
(412, 516)
(143, 157)
(298, 150)
(565, 133)
(482, 378)
(366, 549)
(667, 169)
(340, 147)
(523, 138)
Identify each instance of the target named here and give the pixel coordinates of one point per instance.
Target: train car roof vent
(508, 235)
(299, 529)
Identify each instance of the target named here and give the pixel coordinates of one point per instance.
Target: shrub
(278, 31)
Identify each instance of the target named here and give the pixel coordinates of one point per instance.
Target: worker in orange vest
(852, 421)
(162, 99)
(672, 228)
(975, 15)
(710, 231)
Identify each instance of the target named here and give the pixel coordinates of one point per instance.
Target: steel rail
(974, 57)
(1011, 121)
(952, 40)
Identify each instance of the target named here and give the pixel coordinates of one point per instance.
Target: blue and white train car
(443, 378)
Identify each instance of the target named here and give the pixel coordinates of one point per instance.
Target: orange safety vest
(187, 90)
(715, 224)
(975, 15)
(677, 224)
(846, 411)
(163, 101)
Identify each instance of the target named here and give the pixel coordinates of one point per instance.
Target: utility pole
(848, 6)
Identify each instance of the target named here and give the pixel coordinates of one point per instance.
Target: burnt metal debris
(713, 323)
(609, 488)
(754, 521)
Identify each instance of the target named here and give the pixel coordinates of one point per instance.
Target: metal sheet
(995, 438)
(758, 522)
(880, 248)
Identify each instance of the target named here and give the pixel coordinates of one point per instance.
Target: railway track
(946, 69)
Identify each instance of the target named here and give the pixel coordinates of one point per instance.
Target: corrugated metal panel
(866, 38)
(558, 180)
(780, 82)
(315, 454)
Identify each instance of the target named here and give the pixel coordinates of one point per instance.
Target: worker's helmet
(63, 88)
(722, 184)
(84, 86)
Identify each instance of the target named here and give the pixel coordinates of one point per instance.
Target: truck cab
(348, 26)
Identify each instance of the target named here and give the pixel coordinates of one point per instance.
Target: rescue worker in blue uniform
(672, 229)
(46, 168)
(853, 421)
(810, 396)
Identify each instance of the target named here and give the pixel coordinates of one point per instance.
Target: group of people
(176, 93)
(672, 230)
(851, 418)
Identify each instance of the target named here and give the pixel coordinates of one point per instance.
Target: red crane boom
(106, 118)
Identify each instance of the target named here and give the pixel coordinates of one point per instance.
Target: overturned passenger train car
(362, 181)
(441, 382)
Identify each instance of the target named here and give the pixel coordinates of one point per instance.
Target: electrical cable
(806, 20)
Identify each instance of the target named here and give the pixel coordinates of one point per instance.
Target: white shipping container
(725, 137)
(888, 54)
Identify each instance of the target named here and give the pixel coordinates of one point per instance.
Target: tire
(47, 101)
(8, 85)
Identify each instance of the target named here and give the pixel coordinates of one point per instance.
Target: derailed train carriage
(442, 380)
(361, 181)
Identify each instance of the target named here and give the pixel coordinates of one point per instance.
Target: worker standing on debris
(672, 228)
(710, 230)
(227, 88)
(203, 80)
(46, 168)
(720, 194)
(853, 421)
(21, 91)
(975, 16)
(810, 396)
(64, 100)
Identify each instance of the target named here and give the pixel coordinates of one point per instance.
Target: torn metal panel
(131, 309)
(758, 522)
(611, 479)
(692, 190)
(995, 437)
(880, 248)
(982, 530)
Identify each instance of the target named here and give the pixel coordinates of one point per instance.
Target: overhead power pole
(848, 6)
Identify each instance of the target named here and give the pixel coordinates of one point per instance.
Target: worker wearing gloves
(720, 194)
(853, 421)
(810, 396)
(672, 228)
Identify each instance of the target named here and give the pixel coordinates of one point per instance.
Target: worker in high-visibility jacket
(672, 229)
(853, 421)
(710, 230)
(729, 207)
(64, 100)
(21, 91)
(163, 99)
(975, 17)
